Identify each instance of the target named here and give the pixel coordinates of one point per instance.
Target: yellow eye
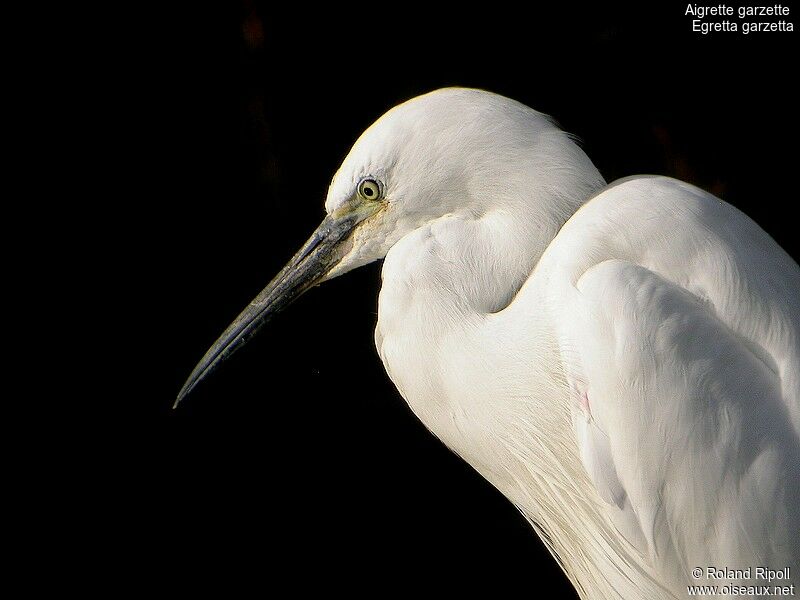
(369, 189)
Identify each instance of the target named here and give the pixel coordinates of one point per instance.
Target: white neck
(442, 339)
(445, 277)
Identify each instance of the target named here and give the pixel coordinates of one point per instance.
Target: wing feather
(679, 337)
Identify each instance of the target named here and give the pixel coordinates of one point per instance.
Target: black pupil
(368, 191)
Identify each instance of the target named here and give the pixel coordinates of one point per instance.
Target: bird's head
(448, 152)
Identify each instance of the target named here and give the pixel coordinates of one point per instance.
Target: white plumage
(622, 362)
(672, 312)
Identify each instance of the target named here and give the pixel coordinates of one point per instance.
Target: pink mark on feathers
(584, 401)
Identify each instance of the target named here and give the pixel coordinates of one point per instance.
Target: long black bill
(309, 266)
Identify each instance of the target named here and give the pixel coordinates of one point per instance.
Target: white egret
(622, 362)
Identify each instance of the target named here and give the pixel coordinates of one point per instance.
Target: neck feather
(515, 215)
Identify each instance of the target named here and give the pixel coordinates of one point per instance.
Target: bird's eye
(369, 189)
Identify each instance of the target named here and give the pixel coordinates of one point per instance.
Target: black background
(298, 463)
